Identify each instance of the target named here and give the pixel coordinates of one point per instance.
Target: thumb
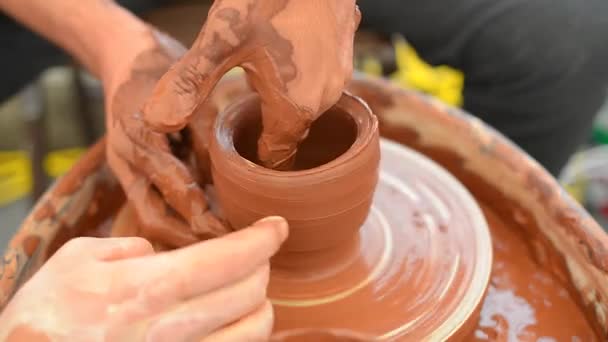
(105, 249)
(180, 91)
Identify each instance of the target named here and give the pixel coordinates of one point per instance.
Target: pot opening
(330, 136)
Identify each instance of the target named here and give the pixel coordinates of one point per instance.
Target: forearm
(90, 30)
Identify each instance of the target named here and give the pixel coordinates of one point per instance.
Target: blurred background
(52, 110)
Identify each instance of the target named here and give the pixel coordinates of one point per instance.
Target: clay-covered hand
(117, 289)
(170, 205)
(297, 55)
(129, 57)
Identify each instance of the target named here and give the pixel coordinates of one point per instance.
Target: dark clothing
(537, 70)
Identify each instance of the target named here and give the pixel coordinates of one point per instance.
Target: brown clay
(536, 228)
(282, 64)
(423, 242)
(553, 290)
(528, 320)
(127, 224)
(524, 301)
(130, 57)
(325, 200)
(562, 237)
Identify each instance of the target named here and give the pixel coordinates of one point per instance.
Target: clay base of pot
(419, 267)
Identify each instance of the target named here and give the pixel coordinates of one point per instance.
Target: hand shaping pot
(325, 199)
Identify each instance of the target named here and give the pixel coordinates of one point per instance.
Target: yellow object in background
(443, 82)
(577, 190)
(59, 162)
(16, 171)
(578, 183)
(371, 66)
(15, 176)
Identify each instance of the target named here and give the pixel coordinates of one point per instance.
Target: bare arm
(90, 30)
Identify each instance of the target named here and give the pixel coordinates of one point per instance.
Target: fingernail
(277, 223)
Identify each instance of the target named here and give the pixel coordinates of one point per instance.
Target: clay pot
(325, 199)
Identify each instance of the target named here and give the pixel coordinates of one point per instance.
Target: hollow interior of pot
(329, 137)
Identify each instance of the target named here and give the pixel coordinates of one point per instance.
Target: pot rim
(364, 119)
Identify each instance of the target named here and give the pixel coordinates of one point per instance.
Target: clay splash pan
(548, 257)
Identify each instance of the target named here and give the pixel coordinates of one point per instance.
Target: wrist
(116, 36)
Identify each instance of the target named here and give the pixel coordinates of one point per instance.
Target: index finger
(174, 276)
(190, 81)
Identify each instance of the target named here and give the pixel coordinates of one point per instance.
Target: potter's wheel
(420, 268)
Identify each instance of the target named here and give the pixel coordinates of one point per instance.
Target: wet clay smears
(106, 200)
(168, 201)
(128, 57)
(282, 64)
(227, 40)
(512, 308)
(261, 37)
(126, 224)
(525, 302)
(519, 237)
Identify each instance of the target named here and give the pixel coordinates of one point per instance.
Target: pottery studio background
(51, 110)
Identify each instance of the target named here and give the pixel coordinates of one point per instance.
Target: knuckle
(332, 94)
(260, 281)
(74, 245)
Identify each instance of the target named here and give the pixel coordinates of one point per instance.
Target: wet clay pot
(327, 196)
(352, 230)
(549, 270)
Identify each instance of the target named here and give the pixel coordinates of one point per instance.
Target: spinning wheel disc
(418, 268)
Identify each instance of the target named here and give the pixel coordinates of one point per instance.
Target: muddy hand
(160, 186)
(117, 289)
(129, 57)
(297, 55)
